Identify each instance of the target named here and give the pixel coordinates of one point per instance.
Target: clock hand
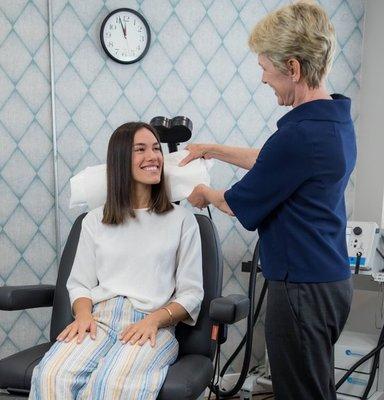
(122, 27)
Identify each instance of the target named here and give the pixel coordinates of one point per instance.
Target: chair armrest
(229, 309)
(29, 296)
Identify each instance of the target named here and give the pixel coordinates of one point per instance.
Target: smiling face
(282, 84)
(147, 158)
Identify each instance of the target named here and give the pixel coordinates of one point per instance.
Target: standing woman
(294, 195)
(136, 274)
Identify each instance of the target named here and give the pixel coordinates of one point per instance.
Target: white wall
(370, 172)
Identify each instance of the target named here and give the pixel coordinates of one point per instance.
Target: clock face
(125, 36)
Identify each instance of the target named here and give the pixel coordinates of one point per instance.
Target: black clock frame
(145, 25)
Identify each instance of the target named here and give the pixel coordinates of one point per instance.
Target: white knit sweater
(151, 259)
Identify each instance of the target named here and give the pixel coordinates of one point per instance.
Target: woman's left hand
(140, 332)
(197, 198)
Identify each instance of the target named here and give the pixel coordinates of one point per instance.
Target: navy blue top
(294, 194)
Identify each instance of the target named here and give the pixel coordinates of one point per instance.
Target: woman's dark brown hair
(120, 183)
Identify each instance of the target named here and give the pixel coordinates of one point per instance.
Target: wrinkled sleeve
(83, 274)
(189, 277)
(284, 163)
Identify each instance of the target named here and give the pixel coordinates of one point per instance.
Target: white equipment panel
(362, 240)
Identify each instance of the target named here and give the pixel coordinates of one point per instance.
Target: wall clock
(125, 36)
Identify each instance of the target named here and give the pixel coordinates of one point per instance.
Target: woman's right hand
(196, 150)
(82, 324)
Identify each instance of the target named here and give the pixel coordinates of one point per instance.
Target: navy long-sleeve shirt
(294, 194)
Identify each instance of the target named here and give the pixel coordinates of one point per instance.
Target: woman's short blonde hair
(300, 31)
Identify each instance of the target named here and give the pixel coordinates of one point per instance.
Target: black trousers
(303, 322)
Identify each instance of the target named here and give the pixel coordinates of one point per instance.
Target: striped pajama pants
(104, 368)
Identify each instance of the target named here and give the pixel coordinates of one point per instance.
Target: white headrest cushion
(89, 186)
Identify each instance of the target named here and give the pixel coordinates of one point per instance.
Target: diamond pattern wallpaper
(198, 65)
(27, 225)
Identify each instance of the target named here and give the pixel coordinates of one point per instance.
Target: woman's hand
(203, 195)
(80, 326)
(196, 150)
(198, 198)
(140, 332)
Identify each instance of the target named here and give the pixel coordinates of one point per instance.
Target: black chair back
(61, 310)
(197, 339)
(192, 339)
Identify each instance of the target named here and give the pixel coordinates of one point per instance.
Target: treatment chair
(187, 378)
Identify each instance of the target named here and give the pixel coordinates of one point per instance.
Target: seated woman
(136, 274)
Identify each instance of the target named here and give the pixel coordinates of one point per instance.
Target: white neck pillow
(89, 186)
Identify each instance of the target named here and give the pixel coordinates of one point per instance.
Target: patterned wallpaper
(198, 65)
(27, 224)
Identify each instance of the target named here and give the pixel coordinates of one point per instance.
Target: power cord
(255, 318)
(248, 337)
(358, 260)
(209, 213)
(214, 385)
(373, 353)
(250, 324)
(377, 349)
(374, 366)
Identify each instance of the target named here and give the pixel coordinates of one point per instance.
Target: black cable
(372, 375)
(212, 385)
(358, 363)
(209, 213)
(357, 264)
(217, 383)
(375, 364)
(249, 335)
(374, 352)
(241, 344)
(381, 254)
(248, 338)
(218, 366)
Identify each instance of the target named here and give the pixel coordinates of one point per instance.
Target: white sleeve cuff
(192, 305)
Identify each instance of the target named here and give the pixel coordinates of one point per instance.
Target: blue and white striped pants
(104, 368)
